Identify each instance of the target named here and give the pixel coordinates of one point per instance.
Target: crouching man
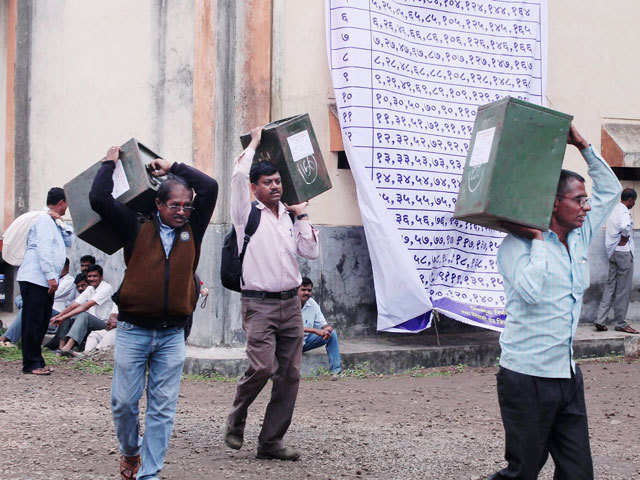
(156, 300)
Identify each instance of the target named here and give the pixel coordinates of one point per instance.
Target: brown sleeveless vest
(157, 288)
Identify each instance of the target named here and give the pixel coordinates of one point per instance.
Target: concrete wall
(3, 100)
(100, 73)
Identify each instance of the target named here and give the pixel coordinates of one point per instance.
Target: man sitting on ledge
(317, 332)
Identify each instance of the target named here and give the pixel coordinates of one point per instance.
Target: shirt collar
(281, 207)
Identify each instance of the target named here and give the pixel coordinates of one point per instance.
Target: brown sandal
(39, 371)
(129, 466)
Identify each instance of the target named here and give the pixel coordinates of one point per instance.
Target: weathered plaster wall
(100, 73)
(3, 101)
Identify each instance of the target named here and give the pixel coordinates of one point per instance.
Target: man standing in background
(619, 245)
(38, 278)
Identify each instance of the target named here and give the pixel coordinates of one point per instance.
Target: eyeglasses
(582, 201)
(176, 207)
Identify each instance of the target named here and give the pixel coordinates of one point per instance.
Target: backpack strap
(250, 228)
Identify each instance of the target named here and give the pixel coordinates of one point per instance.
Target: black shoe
(600, 327)
(232, 440)
(285, 453)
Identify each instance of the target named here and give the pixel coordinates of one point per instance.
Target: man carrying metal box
(540, 388)
(156, 300)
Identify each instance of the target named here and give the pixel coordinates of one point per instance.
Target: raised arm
(119, 217)
(240, 192)
(606, 189)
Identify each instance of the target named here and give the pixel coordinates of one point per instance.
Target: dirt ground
(429, 424)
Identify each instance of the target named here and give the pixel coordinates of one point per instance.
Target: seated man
(86, 261)
(317, 331)
(90, 311)
(103, 339)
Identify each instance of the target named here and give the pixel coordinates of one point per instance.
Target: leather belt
(286, 295)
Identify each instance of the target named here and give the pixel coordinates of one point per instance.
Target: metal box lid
(292, 146)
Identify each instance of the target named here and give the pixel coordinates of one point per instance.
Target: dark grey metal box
(133, 185)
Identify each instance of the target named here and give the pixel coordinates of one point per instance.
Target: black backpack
(230, 261)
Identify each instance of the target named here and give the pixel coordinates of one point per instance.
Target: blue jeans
(14, 332)
(333, 351)
(161, 352)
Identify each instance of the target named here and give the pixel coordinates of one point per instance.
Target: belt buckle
(284, 295)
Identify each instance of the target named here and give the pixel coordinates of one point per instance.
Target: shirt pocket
(582, 271)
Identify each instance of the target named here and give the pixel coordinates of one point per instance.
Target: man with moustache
(540, 388)
(156, 300)
(271, 314)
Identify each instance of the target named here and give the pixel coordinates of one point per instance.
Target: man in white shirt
(619, 245)
(106, 338)
(90, 311)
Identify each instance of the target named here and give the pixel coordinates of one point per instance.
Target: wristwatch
(302, 215)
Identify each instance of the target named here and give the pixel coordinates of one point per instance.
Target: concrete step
(399, 353)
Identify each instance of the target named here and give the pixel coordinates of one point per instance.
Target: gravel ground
(429, 424)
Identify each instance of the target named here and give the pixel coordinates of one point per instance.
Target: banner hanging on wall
(408, 77)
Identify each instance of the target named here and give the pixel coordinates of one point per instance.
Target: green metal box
(133, 185)
(513, 165)
(292, 146)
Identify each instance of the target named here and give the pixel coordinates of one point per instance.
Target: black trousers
(543, 416)
(36, 313)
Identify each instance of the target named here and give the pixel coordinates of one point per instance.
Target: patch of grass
(10, 354)
(360, 370)
(208, 376)
(438, 372)
(14, 354)
(611, 358)
(91, 366)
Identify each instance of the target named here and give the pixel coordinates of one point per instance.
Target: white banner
(408, 77)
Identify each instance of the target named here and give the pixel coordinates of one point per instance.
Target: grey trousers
(83, 324)
(274, 348)
(617, 290)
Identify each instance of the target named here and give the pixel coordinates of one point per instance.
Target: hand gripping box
(292, 146)
(133, 185)
(513, 165)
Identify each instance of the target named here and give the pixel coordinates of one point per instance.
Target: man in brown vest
(271, 313)
(156, 300)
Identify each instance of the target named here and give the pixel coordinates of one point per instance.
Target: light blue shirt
(167, 236)
(544, 284)
(45, 254)
(312, 316)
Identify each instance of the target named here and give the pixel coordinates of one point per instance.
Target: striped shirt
(544, 284)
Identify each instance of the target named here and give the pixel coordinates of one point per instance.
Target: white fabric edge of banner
(386, 319)
(462, 319)
(402, 330)
(385, 323)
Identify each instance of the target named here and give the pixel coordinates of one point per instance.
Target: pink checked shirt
(270, 263)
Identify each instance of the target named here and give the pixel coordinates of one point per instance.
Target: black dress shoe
(285, 453)
(232, 440)
(600, 328)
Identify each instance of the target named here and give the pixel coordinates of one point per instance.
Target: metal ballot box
(513, 165)
(133, 185)
(292, 146)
